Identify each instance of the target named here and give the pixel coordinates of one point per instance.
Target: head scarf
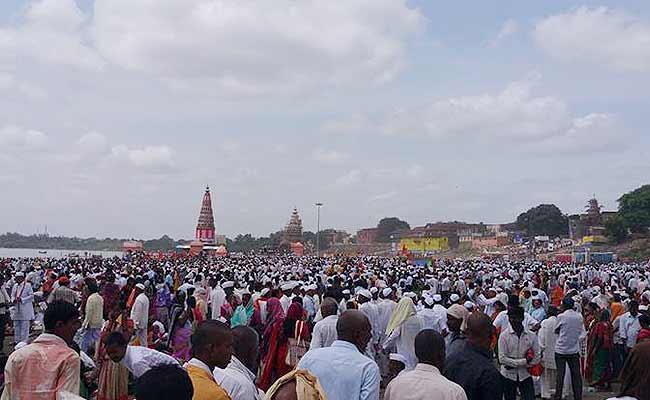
(405, 309)
(295, 312)
(275, 313)
(307, 386)
(635, 377)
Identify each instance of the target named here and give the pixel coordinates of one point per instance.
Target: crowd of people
(254, 327)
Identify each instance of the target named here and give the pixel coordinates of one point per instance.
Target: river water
(54, 253)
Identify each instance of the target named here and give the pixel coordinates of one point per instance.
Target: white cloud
(348, 125)
(350, 178)
(9, 83)
(149, 158)
(600, 35)
(509, 28)
(257, 46)
(15, 137)
(382, 197)
(512, 113)
(53, 31)
(331, 157)
(92, 143)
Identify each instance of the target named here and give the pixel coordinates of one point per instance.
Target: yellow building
(423, 245)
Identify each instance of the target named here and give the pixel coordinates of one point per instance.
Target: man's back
(473, 369)
(324, 332)
(41, 369)
(343, 371)
(423, 383)
(571, 328)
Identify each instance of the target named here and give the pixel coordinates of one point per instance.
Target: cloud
(92, 143)
(257, 46)
(348, 125)
(53, 32)
(350, 178)
(509, 28)
(9, 83)
(149, 158)
(513, 113)
(331, 157)
(600, 35)
(14, 137)
(382, 197)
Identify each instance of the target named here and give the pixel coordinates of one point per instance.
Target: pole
(318, 206)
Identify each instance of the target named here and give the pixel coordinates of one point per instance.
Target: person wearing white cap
(140, 314)
(454, 298)
(434, 314)
(217, 299)
(309, 302)
(23, 312)
(366, 306)
(385, 309)
(285, 300)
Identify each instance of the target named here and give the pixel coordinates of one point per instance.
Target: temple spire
(205, 230)
(293, 230)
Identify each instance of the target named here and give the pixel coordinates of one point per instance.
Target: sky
(115, 114)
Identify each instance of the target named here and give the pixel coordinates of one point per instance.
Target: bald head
(353, 326)
(329, 307)
(479, 329)
(430, 348)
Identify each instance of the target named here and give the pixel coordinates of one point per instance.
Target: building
(589, 226)
(205, 230)
(367, 236)
(293, 229)
(424, 245)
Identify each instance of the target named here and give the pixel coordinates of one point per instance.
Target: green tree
(543, 220)
(389, 226)
(634, 209)
(615, 229)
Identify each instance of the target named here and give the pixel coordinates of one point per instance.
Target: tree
(615, 229)
(389, 226)
(543, 220)
(634, 209)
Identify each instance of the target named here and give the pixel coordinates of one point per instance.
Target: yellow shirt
(205, 388)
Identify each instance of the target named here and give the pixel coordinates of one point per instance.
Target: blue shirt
(343, 372)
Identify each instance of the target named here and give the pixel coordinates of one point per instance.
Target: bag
(296, 348)
(536, 370)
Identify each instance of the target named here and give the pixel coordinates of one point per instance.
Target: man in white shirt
(434, 314)
(22, 298)
(137, 359)
(425, 382)
(140, 314)
(324, 333)
(366, 306)
(285, 300)
(217, 299)
(629, 325)
(238, 378)
(518, 350)
(570, 329)
(385, 309)
(342, 369)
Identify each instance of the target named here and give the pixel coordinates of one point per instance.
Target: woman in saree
(182, 317)
(113, 379)
(599, 352)
(274, 345)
